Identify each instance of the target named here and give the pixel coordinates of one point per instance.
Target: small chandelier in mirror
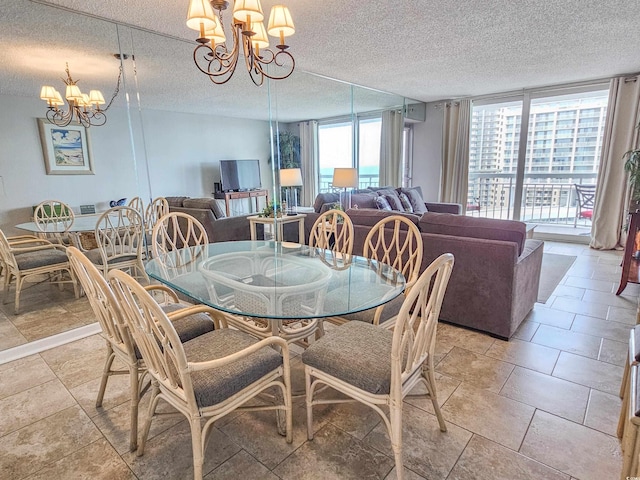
(84, 109)
(213, 58)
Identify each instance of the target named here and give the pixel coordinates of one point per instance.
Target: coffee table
(279, 223)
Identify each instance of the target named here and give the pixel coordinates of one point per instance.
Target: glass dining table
(276, 280)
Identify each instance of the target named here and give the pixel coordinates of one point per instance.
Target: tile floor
(541, 406)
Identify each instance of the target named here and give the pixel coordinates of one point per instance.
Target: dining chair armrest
(219, 362)
(26, 241)
(35, 248)
(218, 318)
(164, 289)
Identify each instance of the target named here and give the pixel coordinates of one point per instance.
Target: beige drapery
(612, 191)
(391, 148)
(454, 184)
(309, 161)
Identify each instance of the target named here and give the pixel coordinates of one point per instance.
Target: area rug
(554, 268)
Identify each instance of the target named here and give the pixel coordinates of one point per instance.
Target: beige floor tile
(474, 369)
(548, 393)
(568, 341)
(590, 284)
(169, 455)
(569, 292)
(603, 412)
(426, 450)
(601, 328)
(484, 459)
(525, 354)
(23, 374)
(116, 393)
(580, 307)
(241, 465)
(453, 336)
(333, 454)
(10, 336)
(31, 405)
(590, 373)
(613, 352)
(550, 316)
(611, 299)
(526, 330)
(445, 386)
(622, 315)
(571, 448)
(97, 461)
(495, 417)
(30, 449)
(78, 362)
(408, 475)
(51, 321)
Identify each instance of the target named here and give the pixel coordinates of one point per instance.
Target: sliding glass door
(529, 171)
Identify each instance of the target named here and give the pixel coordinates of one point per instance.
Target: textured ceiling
(422, 49)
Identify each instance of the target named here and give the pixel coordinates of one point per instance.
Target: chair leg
(147, 424)
(134, 381)
(196, 444)
(395, 434)
(19, 281)
(106, 373)
(431, 387)
(7, 282)
(309, 400)
(624, 394)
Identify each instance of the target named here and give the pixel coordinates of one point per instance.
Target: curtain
(309, 161)
(391, 148)
(455, 152)
(612, 190)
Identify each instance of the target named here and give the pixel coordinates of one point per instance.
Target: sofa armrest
(437, 207)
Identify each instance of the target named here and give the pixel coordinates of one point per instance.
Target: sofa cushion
(383, 203)
(415, 197)
(395, 203)
(205, 203)
(462, 226)
(324, 198)
(364, 200)
(406, 203)
(369, 216)
(175, 201)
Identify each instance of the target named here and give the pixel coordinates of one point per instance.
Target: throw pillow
(395, 202)
(382, 203)
(406, 203)
(417, 203)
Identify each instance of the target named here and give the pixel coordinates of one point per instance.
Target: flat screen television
(240, 175)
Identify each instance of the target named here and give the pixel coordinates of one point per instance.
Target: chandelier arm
(113, 97)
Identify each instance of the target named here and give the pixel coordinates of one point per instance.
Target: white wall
(427, 153)
(183, 151)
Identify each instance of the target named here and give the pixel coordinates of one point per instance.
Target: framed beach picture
(66, 149)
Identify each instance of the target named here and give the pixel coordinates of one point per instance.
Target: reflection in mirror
(166, 132)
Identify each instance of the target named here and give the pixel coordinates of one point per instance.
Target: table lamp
(291, 178)
(345, 178)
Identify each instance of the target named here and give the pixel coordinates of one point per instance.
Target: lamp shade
(73, 93)
(200, 15)
(345, 177)
(280, 22)
(290, 177)
(248, 10)
(96, 98)
(47, 93)
(260, 39)
(58, 100)
(216, 35)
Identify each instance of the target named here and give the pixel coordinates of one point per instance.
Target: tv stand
(229, 196)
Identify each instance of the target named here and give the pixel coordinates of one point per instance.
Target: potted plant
(632, 166)
(271, 210)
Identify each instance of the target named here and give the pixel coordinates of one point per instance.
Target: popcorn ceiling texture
(427, 50)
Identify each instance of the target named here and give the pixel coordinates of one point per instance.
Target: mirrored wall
(166, 131)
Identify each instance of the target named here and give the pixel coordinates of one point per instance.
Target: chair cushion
(586, 213)
(214, 386)
(357, 353)
(205, 203)
(96, 258)
(391, 309)
(191, 326)
(41, 258)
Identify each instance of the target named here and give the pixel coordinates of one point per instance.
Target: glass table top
(278, 280)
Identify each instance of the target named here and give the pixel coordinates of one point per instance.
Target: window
(336, 142)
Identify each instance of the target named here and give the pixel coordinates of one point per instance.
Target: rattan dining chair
(397, 242)
(379, 367)
(332, 237)
(585, 202)
(54, 219)
(137, 204)
(24, 260)
(119, 234)
(208, 377)
(189, 322)
(158, 208)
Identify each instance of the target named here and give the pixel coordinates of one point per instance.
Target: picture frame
(67, 150)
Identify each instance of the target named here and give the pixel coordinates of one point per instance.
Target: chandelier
(213, 58)
(83, 108)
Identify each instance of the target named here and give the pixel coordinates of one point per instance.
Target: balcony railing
(547, 198)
